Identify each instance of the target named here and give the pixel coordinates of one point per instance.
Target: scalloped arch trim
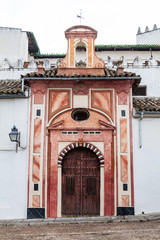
(84, 145)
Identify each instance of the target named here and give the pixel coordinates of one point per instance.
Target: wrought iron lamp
(14, 136)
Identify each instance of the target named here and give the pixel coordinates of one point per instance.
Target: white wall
(15, 42)
(14, 74)
(13, 166)
(147, 165)
(150, 75)
(151, 78)
(128, 55)
(13, 54)
(151, 37)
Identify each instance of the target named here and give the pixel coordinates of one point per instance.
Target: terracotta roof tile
(107, 73)
(146, 104)
(11, 87)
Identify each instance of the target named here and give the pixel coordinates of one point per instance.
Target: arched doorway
(80, 183)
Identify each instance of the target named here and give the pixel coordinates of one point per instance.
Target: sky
(116, 21)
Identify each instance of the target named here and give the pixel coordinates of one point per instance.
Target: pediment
(80, 28)
(106, 125)
(56, 125)
(95, 121)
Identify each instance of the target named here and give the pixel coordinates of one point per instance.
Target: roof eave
(82, 78)
(5, 96)
(33, 47)
(136, 47)
(146, 114)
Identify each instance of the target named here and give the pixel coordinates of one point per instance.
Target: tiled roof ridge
(146, 103)
(113, 72)
(11, 87)
(108, 72)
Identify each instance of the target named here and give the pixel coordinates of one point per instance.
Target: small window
(123, 113)
(38, 112)
(91, 132)
(125, 187)
(140, 91)
(69, 132)
(35, 187)
(80, 114)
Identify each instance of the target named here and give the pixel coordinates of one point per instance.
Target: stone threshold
(76, 220)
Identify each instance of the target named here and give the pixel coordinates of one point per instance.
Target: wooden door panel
(80, 183)
(91, 186)
(70, 185)
(70, 170)
(91, 197)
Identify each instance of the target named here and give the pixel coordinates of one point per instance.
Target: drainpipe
(140, 130)
(23, 86)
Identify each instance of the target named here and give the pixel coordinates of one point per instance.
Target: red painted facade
(55, 132)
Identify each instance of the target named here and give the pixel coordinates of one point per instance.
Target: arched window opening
(80, 55)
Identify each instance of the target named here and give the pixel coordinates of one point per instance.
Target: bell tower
(84, 37)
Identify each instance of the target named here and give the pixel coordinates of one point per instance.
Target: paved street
(129, 229)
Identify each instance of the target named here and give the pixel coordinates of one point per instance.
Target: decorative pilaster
(124, 154)
(36, 154)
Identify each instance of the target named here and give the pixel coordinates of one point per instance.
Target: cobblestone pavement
(115, 228)
(84, 231)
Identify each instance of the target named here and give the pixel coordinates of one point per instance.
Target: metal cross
(80, 16)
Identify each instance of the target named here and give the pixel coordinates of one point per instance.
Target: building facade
(81, 160)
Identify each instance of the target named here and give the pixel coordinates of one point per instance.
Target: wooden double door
(80, 183)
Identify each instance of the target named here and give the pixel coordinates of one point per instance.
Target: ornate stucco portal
(80, 105)
(73, 136)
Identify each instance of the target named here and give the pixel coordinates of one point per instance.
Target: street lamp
(14, 136)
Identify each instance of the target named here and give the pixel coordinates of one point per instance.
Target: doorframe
(59, 184)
